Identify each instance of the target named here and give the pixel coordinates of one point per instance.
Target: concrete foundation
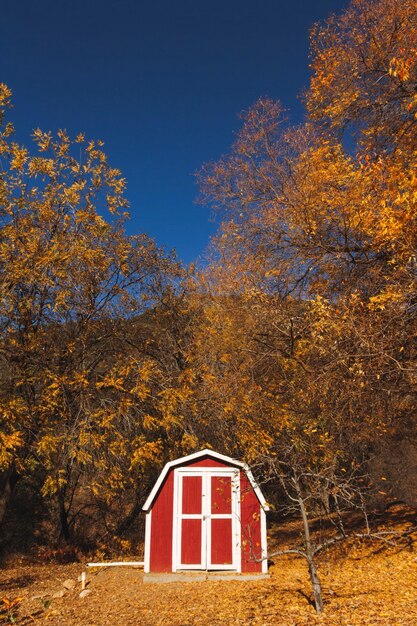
(192, 577)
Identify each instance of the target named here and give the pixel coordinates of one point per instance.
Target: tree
(289, 198)
(364, 88)
(319, 223)
(258, 389)
(68, 282)
(364, 66)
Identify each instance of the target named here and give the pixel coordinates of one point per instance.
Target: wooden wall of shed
(250, 515)
(161, 527)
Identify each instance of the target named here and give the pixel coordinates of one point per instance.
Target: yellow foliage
(145, 453)
(9, 447)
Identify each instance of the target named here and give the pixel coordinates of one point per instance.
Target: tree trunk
(312, 569)
(63, 518)
(130, 518)
(7, 483)
(316, 584)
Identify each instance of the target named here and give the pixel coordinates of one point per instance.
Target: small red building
(205, 512)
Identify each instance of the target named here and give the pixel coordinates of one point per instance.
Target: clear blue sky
(161, 82)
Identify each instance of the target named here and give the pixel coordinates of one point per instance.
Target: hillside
(365, 582)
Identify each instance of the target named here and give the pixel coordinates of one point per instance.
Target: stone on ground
(69, 583)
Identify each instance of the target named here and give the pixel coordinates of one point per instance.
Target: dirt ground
(364, 583)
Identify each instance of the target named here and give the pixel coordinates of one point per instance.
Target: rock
(84, 593)
(69, 583)
(59, 594)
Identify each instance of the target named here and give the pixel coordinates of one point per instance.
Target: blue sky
(161, 83)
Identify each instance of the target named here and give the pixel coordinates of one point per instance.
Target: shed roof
(195, 456)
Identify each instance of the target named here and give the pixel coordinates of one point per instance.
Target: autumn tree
(69, 280)
(363, 88)
(303, 216)
(323, 217)
(289, 198)
(364, 68)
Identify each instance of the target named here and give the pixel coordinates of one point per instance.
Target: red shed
(205, 512)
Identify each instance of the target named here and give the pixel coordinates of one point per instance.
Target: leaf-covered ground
(364, 583)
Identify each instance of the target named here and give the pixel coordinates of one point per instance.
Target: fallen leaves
(365, 584)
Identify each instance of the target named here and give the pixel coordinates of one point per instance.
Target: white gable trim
(194, 457)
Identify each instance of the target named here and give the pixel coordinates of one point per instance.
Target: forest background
(291, 347)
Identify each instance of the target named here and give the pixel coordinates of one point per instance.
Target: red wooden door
(220, 521)
(191, 529)
(207, 523)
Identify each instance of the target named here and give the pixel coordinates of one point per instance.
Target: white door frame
(206, 515)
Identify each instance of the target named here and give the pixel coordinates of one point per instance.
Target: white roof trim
(193, 457)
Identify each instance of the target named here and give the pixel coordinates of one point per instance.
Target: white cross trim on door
(208, 532)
